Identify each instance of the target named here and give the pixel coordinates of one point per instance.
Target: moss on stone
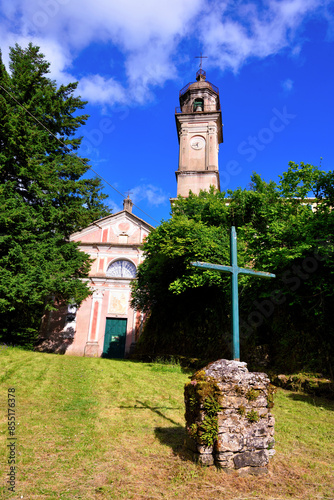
(241, 410)
(203, 396)
(252, 394)
(253, 416)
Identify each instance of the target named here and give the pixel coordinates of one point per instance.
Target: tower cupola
(199, 128)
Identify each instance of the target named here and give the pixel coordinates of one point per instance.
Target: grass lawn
(106, 429)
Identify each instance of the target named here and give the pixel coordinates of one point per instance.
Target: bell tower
(199, 128)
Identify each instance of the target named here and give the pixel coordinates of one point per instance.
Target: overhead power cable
(71, 152)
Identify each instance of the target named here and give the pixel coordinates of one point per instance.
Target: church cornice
(204, 115)
(95, 244)
(198, 118)
(192, 172)
(101, 277)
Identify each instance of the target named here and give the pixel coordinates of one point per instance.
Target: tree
(184, 305)
(43, 195)
(277, 232)
(291, 314)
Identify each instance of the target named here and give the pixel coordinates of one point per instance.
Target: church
(105, 324)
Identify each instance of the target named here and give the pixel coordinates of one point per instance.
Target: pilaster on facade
(95, 316)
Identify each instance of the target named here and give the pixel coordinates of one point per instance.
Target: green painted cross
(235, 271)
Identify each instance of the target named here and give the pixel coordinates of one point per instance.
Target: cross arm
(261, 274)
(213, 267)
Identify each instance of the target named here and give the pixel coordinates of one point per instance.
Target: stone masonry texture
(244, 437)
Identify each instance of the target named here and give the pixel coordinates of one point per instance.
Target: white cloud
(115, 207)
(145, 32)
(152, 194)
(287, 85)
(99, 90)
(148, 34)
(255, 32)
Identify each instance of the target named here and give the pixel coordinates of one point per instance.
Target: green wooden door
(114, 338)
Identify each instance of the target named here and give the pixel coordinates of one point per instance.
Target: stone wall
(228, 417)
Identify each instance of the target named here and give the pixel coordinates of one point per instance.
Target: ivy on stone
(203, 396)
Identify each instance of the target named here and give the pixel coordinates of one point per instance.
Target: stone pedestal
(228, 417)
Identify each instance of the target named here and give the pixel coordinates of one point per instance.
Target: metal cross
(201, 58)
(235, 271)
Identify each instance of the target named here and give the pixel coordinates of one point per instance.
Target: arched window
(198, 104)
(121, 269)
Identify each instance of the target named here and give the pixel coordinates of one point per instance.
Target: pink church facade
(104, 324)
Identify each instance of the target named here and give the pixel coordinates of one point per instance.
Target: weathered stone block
(245, 428)
(261, 401)
(230, 442)
(226, 387)
(233, 401)
(263, 412)
(224, 460)
(205, 459)
(229, 421)
(257, 443)
(271, 421)
(251, 459)
(261, 429)
(204, 449)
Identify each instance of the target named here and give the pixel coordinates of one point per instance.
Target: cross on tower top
(201, 57)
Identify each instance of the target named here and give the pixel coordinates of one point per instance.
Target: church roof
(130, 214)
(112, 218)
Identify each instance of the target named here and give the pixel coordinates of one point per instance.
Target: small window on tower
(199, 104)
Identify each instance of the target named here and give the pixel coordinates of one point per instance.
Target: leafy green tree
(290, 314)
(43, 195)
(188, 308)
(277, 232)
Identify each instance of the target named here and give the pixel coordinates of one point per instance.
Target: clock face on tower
(197, 142)
(121, 269)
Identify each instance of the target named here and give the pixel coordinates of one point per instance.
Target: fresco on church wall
(118, 303)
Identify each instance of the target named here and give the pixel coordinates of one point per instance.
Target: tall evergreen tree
(43, 195)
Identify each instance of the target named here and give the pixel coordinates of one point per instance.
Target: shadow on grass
(316, 401)
(174, 437)
(155, 409)
(152, 363)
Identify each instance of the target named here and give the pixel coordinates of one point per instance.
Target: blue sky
(272, 61)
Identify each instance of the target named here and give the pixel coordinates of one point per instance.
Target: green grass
(107, 429)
